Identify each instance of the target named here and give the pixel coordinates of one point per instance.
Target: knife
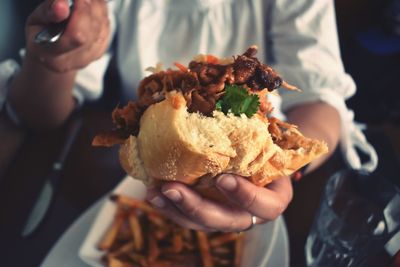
(44, 199)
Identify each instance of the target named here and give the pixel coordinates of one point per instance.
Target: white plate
(266, 245)
(89, 252)
(65, 251)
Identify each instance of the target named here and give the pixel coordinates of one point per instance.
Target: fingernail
(227, 182)
(173, 195)
(158, 202)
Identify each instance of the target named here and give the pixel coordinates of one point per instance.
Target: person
(298, 38)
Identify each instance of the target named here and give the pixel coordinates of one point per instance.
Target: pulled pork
(202, 84)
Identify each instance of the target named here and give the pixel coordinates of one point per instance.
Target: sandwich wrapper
(265, 245)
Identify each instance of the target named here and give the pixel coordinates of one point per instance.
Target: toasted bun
(175, 145)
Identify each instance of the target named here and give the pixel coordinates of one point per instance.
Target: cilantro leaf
(237, 100)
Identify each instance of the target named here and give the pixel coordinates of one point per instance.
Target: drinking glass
(359, 213)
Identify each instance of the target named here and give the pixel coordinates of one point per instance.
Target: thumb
(57, 11)
(51, 11)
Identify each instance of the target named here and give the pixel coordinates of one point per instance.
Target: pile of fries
(141, 236)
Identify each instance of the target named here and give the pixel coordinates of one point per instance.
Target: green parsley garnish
(237, 101)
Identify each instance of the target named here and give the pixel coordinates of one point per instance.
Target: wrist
(39, 64)
(40, 98)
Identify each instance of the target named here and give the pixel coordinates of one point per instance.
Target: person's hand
(190, 210)
(85, 38)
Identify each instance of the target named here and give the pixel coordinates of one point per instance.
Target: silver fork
(54, 32)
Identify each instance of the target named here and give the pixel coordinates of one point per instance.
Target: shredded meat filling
(277, 129)
(212, 77)
(127, 119)
(264, 77)
(202, 84)
(250, 71)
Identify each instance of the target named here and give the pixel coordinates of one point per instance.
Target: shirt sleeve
(89, 81)
(7, 69)
(305, 51)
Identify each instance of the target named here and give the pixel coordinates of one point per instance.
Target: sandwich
(192, 123)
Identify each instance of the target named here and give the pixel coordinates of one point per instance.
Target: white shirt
(298, 38)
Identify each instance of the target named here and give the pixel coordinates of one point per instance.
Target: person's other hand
(190, 210)
(85, 38)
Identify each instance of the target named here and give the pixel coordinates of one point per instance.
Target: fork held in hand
(53, 33)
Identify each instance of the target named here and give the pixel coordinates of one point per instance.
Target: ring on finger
(253, 222)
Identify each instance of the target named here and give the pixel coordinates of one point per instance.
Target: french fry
(188, 246)
(124, 233)
(140, 236)
(177, 243)
(187, 235)
(133, 203)
(136, 231)
(223, 239)
(204, 248)
(111, 234)
(161, 233)
(124, 249)
(187, 239)
(143, 263)
(221, 250)
(222, 261)
(163, 263)
(114, 262)
(137, 258)
(156, 219)
(154, 250)
(238, 250)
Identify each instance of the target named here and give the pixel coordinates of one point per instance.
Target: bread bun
(175, 145)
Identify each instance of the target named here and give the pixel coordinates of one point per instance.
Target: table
(89, 174)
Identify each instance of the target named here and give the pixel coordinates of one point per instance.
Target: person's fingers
(78, 58)
(266, 203)
(96, 44)
(100, 45)
(50, 11)
(101, 40)
(59, 10)
(85, 38)
(159, 201)
(86, 24)
(205, 212)
(79, 30)
(53, 11)
(46, 14)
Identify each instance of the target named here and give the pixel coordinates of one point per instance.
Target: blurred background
(12, 19)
